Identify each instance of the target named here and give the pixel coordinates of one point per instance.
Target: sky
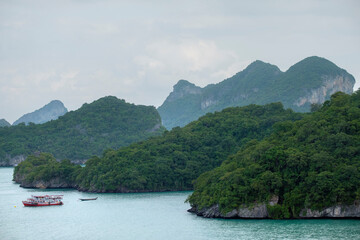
(78, 51)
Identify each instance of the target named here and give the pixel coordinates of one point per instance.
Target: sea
(142, 216)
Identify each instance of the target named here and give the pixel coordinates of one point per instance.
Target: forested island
(172, 161)
(108, 122)
(307, 168)
(274, 163)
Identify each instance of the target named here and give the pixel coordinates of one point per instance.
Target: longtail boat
(87, 199)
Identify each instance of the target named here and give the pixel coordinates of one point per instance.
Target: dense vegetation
(174, 160)
(310, 163)
(45, 167)
(105, 123)
(259, 83)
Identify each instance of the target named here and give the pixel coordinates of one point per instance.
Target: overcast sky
(77, 51)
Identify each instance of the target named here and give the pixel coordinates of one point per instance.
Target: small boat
(87, 199)
(46, 200)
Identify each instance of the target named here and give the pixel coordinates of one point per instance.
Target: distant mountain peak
(312, 80)
(182, 88)
(315, 58)
(4, 123)
(56, 102)
(50, 111)
(260, 65)
(184, 84)
(257, 63)
(315, 63)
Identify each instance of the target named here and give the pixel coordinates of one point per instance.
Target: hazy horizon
(79, 51)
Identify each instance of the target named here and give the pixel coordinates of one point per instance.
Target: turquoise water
(142, 216)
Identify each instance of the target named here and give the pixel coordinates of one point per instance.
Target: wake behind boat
(46, 200)
(87, 199)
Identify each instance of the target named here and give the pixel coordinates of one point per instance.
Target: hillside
(172, 161)
(50, 111)
(312, 80)
(4, 123)
(78, 135)
(307, 168)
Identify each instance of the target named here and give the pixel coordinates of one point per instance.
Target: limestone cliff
(338, 211)
(330, 85)
(260, 211)
(10, 161)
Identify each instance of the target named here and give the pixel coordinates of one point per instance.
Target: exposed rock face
(12, 161)
(256, 211)
(183, 88)
(330, 86)
(207, 103)
(77, 161)
(259, 211)
(339, 211)
(51, 111)
(53, 183)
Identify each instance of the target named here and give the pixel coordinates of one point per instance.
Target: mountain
(312, 80)
(78, 135)
(4, 123)
(50, 111)
(168, 162)
(308, 168)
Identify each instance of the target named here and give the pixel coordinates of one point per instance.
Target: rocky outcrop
(338, 211)
(52, 183)
(182, 89)
(255, 211)
(260, 211)
(51, 111)
(207, 103)
(331, 85)
(9, 161)
(77, 161)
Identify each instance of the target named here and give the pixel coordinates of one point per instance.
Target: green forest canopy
(106, 123)
(310, 163)
(173, 160)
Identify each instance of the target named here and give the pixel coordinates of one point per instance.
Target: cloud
(148, 62)
(65, 80)
(13, 24)
(197, 60)
(78, 51)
